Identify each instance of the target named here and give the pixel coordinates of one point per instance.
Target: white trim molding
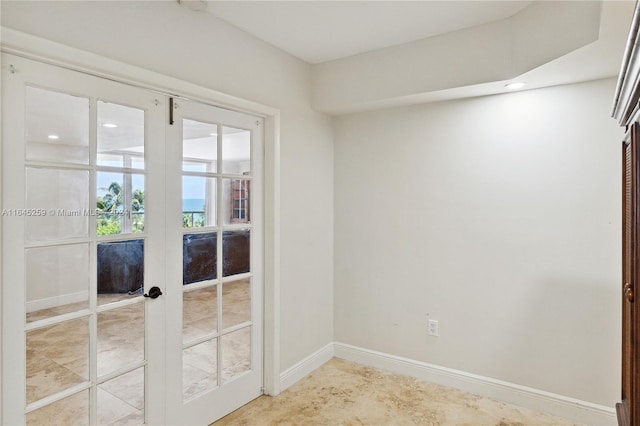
(625, 103)
(305, 367)
(523, 396)
(271, 293)
(52, 302)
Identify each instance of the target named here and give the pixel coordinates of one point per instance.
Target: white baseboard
(52, 302)
(306, 366)
(546, 402)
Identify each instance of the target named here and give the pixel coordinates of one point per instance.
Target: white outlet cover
(433, 328)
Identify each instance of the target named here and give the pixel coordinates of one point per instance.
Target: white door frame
(39, 49)
(225, 395)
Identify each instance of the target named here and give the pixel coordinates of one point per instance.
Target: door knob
(628, 292)
(154, 292)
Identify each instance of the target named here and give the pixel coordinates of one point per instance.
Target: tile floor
(58, 354)
(345, 393)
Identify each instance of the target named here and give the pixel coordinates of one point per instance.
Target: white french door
(214, 262)
(132, 253)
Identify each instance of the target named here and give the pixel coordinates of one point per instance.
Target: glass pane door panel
(200, 368)
(236, 151)
(199, 146)
(120, 270)
(198, 201)
(136, 214)
(120, 136)
(121, 400)
(236, 353)
(119, 203)
(60, 201)
(80, 250)
(236, 201)
(57, 280)
(199, 313)
(137, 162)
(194, 166)
(111, 160)
(109, 203)
(199, 257)
(57, 127)
(72, 410)
(57, 358)
(120, 337)
(236, 302)
(236, 249)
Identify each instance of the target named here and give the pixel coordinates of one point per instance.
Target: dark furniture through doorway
(121, 263)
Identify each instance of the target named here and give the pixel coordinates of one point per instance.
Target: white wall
(497, 216)
(198, 48)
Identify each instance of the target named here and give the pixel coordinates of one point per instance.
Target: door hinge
(171, 111)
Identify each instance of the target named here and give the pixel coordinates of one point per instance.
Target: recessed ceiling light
(213, 134)
(515, 86)
(110, 125)
(53, 137)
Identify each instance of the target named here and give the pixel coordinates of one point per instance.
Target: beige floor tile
(73, 410)
(345, 393)
(112, 410)
(128, 388)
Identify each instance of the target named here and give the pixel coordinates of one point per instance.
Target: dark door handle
(154, 292)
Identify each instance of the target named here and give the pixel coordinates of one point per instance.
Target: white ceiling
(319, 31)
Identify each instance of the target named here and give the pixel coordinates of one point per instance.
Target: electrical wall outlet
(433, 328)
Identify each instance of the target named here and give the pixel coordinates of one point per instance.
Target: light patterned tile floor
(345, 393)
(58, 355)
